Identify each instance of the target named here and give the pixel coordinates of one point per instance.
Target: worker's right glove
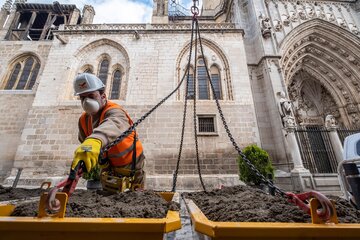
(88, 152)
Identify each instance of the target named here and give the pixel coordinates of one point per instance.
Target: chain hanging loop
(194, 9)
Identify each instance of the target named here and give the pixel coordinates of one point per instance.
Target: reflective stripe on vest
(121, 153)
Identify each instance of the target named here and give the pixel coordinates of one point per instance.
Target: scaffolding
(177, 10)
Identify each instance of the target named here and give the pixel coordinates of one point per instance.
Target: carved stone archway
(321, 67)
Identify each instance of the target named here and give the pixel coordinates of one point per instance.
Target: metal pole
(17, 177)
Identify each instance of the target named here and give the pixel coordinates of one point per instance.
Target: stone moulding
(133, 27)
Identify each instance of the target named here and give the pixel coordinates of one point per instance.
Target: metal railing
(316, 149)
(343, 133)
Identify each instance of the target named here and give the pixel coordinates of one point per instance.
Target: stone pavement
(186, 232)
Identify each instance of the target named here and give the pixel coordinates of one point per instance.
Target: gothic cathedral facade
(286, 73)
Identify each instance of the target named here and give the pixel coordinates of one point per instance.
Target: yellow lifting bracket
(315, 219)
(44, 211)
(118, 184)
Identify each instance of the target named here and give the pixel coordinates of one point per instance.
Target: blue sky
(117, 11)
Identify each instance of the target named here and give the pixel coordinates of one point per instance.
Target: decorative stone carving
(265, 27)
(351, 108)
(341, 22)
(320, 14)
(286, 20)
(289, 122)
(355, 118)
(353, 28)
(330, 121)
(302, 14)
(293, 16)
(278, 25)
(310, 12)
(353, 60)
(330, 17)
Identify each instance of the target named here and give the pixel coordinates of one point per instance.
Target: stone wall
(13, 111)
(15, 103)
(153, 66)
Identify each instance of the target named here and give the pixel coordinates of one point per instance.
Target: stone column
(160, 12)
(301, 177)
(330, 124)
(74, 17)
(88, 14)
(4, 13)
(13, 16)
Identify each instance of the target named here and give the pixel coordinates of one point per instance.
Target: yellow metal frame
(269, 231)
(50, 228)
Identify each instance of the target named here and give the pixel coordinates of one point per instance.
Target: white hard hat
(86, 82)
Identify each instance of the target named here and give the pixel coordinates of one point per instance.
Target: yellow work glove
(88, 152)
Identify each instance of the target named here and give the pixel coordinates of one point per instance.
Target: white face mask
(90, 106)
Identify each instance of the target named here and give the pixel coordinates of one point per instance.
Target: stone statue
(286, 20)
(278, 25)
(330, 121)
(311, 12)
(285, 105)
(354, 29)
(302, 14)
(289, 122)
(285, 110)
(341, 23)
(293, 16)
(265, 27)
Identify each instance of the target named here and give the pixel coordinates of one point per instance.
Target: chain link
(184, 114)
(194, 115)
(237, 148)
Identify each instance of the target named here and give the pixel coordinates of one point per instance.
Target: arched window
(23, 75)
(103, 71)
(116, 84)
(203, 90)
(202, 79)
(215, 80)
(88, 70)
(190, 93)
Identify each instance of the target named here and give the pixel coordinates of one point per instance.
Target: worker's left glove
(88, 152)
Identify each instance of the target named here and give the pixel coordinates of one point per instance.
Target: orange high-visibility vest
(122, 153)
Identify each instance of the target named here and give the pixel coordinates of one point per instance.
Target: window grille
(203, 86)
(202, 80)
(206, 124)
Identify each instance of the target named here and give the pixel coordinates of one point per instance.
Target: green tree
(260, 159)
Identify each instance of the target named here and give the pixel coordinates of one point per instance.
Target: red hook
(68, 185)
(326, 211)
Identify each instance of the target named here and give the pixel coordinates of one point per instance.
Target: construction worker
(100, 124)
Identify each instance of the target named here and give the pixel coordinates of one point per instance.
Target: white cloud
(118, 11)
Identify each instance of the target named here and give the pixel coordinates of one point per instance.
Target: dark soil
(247, 204)
(8, 193)
(100, 204)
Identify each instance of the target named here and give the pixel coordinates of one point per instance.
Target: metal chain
(132, 127)
(194, 115)
(237, 148)
(184, 114)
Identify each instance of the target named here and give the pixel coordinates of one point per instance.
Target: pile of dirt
(8, 193)
(247, 204)
(101, 204)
